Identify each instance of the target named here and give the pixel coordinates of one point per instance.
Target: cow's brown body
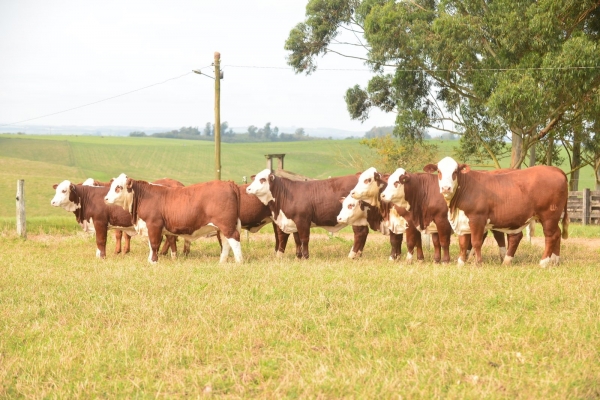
(191, 211)
(306, 203)
(508, 202)
(91, 205)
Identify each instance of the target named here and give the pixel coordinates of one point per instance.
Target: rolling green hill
(45, 160)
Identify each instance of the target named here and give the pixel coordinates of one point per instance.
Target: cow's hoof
(507, 260)
(460, 262)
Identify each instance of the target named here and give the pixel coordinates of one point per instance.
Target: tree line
(253, 134)
(514, 80)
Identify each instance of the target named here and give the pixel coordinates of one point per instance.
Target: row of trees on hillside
(514, 79)
(253, 134)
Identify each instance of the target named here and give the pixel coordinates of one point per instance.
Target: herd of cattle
(448, 197)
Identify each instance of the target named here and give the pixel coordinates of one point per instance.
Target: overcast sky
(58, 55)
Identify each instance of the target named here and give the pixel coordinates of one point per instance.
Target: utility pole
(218, 115)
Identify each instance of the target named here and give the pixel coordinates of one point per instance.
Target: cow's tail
(565, 223)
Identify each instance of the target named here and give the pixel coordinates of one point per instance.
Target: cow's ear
(342, 199)
(385, 177)
(72, 194)
(252, 177)
(464, 168)
(54, 187)
(358, 174)
(430, 168)
(271, 177)
(362, 205)
(377, 176)
(129, 185)
(404, 178)
(111, 180)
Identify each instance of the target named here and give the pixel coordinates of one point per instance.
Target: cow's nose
(382, 196)
(446, 189)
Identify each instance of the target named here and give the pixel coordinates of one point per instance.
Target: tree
(252, 131)
(393, 153)
(265, 132)
(491, 71)
(208, 129)
(136, 134)
(299, 132)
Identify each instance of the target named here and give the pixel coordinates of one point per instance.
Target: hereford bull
(87, 203)
(508, 202)
(190, 212)
(296, 206)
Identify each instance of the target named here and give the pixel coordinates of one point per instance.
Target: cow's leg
(127, 246)
(298, 245)
(419, 244)
(360, 238)
(464, 243)
(499, 236)
(552, 249)
(444, 235)
(118, 236)
(477, 236)
(101, 232)
(283, 239)
(303, 237)
(170, 243)
(437, 247)
(411, 243)
(166, 245)
(277, 234)
(237, 248)
(395, 245)
(513, 243)
(154, 240)
(186, 246)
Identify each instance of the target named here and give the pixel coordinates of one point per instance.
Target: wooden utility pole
(21, 225)
(218, 115)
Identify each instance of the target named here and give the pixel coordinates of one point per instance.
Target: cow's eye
(396, 184)
(65, 191)
(118, 189)
(350, 206)
(262, 180)
(367, 181)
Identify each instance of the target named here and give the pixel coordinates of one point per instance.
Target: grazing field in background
(45, 160)
(75, 326)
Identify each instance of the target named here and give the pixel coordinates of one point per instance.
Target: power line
(100, 101)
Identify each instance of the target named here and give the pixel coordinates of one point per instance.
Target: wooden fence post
(21, 223)
(587, 207)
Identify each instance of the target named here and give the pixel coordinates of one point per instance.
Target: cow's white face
(88, 182)
(61, 198)
(367, 187)
(260, 186)
(351, 212)
(394, 192)
(118, 193)
(447, 177)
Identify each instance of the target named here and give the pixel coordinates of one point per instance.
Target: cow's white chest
(396, 223)
(285, 224)
(206, 231)
(459, 222)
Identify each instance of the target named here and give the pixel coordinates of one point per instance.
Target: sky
(61, 54)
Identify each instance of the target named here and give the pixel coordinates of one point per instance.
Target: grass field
(73, 326)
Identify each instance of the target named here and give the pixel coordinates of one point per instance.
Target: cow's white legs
(552, 260)
(507, 260)
(225, 251)
(502, 252)
(237, 249)
(173, 254)
(150, 254)
(409, 257)
(460, 262)
(98, 253)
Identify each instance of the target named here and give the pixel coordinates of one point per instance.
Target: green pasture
(45, 160)
(74, 326)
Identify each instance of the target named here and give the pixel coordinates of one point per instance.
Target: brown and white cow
(507, 202)
(369, 188)
(296, 206)
(386, 219)
(88, 227)
(87, 203)
(190, 212)
(170, 240)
